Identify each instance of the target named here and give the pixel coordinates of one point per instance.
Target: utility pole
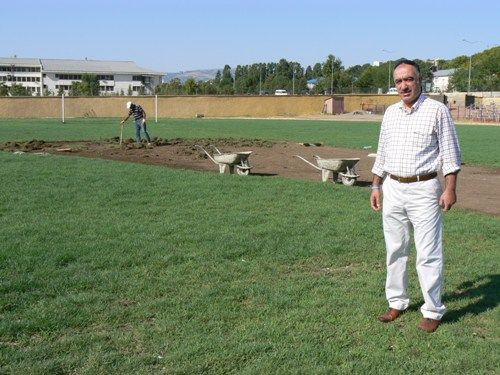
(260, 79)
(389, 75)
(331, 80)
(470, 63)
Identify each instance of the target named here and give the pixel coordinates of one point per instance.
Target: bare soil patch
(478, 187)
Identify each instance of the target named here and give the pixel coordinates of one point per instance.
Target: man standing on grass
(140, 121)
(417, 138)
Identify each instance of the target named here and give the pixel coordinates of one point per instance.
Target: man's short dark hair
(407, 62)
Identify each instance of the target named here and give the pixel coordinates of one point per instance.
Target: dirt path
(478, 187)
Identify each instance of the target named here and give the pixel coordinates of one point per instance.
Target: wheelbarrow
(341, 170)
(231, 161)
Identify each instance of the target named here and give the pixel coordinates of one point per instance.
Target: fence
(474, 113)
(376, 109)
(183, 106)
(222, 106)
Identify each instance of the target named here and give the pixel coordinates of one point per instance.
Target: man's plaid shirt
(137, 111)
(417, 141)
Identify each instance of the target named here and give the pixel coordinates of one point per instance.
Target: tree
(172, 87)
(354, 72)
(18, 90)
(240, 79)
(190, 87)
(484, 68)
(309, 73)
(317, 71)
(319, 87)
(76, 89)
(207, 88)
(299, 81)
(226, 82)
(90, 84)
(332, 65)
(289, 75)
(456, 62)
(4, 90)
(345, 83)
(366, 80)
(218, 78)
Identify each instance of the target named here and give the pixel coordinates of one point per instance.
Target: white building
(441, 80)
(53, 76)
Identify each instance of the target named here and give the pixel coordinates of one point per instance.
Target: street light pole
(470, 62)
(389, 79)
(331, 81)
(389, 75)
(470, 69)
(260, 79)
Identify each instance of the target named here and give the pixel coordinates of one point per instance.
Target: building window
(106, 77)
(72, 77)
(140, 78)
(13, 68)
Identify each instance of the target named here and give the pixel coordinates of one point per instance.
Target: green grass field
(109, 267)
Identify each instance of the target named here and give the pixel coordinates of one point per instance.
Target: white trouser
(406, 206)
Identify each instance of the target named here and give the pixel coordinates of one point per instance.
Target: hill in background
(197, 75)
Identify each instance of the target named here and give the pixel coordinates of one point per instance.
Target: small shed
(334, 105)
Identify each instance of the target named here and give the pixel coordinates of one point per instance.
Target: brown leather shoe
(390, 315)
(428, 325)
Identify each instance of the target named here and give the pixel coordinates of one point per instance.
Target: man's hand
(376, 195)
(143, 121)
(375, 200)
(447, 199)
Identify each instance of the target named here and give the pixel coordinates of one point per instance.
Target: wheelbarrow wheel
(242, 172)
(348, 181)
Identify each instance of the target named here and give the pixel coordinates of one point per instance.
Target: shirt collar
(415, 105)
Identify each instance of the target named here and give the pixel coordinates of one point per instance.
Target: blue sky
(172, 36)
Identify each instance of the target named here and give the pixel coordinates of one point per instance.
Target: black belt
(407, 180)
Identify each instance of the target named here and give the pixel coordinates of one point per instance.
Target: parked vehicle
(280, 92)
(392, 91)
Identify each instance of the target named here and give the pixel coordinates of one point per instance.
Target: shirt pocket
(423, 138)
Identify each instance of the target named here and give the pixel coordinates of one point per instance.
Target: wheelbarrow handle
(308, 162)
(216, 149)
(205, 151)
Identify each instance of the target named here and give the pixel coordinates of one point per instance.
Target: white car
(392, 91)
(280, 92)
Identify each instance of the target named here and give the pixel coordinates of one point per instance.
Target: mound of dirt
(478, 187)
